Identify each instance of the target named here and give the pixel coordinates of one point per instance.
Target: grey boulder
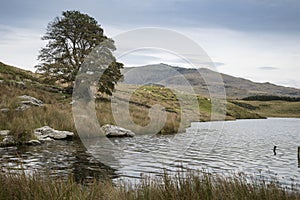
(116, 131)
(47, 133)
(28, 101)
(4, 132)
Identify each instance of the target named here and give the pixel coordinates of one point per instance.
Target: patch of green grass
(239, 112)
(274, 108)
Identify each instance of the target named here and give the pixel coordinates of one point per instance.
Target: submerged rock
(47, 133)
(116, 131)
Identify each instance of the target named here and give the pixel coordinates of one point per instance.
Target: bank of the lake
(183, 186)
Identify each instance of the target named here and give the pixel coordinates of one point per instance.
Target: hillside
(56, 110)
(235, 87)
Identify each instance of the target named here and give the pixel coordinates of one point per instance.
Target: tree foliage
(71, 38)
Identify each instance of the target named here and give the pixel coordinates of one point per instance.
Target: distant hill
(235, 87)
(163, 74)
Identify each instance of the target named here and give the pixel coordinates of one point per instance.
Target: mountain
(181, 77)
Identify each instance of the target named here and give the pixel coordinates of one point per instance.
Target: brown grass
(56, 112)
(181, 186)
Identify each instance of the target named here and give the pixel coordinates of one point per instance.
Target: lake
(219, 147)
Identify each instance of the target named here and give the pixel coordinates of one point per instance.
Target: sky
(253, 39)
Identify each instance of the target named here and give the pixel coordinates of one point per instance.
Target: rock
(115, 131)
(4, 110)
(1, 81)
(47, 133)
(8, 140)
(4, 132)
(47, 139)
(28, 101)
(33, 142)
(21, 84)
(23, 107)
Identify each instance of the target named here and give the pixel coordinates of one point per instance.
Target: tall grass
(56, 112)
(182, 186)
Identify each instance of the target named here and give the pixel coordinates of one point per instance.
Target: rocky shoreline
(48, 134)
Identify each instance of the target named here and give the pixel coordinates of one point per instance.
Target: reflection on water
(234, 146)
(58, 159)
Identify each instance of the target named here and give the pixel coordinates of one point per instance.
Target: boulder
(4, 132)
(115, 131)
(47, 133)
(4, 110)
(27, 102)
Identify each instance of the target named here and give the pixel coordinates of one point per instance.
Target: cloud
(249, 15)
(268, 68)
(19, 47)
(218, 64)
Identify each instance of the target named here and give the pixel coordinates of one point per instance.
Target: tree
(71, 38)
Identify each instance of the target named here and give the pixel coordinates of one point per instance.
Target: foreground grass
(188, 186)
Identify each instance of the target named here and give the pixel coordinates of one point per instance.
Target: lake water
(220, 147)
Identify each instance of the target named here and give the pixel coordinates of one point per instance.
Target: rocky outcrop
(43, 134)
(28, 101)
(5, 139)
(47, 133)
(115, 131)
(8, 140)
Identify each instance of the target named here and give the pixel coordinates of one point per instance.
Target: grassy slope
(55, 113)
(179, 107)
(12, 73)
(271, 108)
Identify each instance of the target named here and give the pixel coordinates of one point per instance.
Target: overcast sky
(253, 39)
